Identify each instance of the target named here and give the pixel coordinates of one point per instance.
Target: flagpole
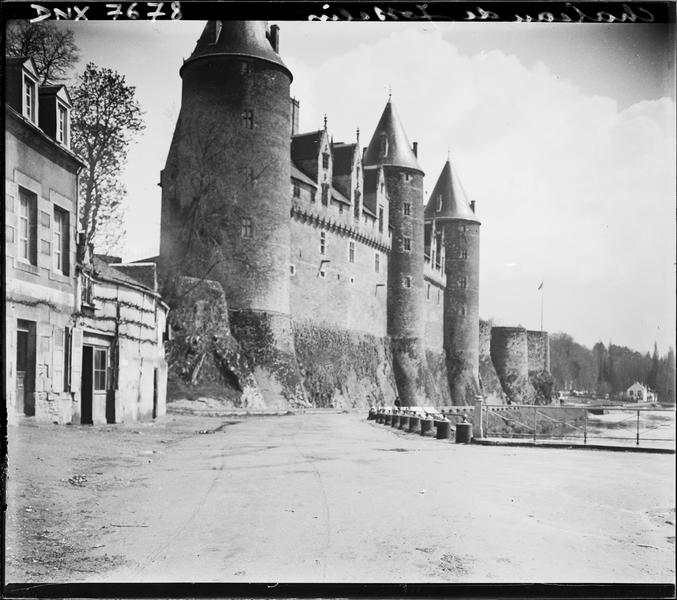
(542, 296)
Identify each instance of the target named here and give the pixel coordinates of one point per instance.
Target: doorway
(87, 390)
(25, 367)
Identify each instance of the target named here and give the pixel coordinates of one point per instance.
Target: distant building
(638, 392)
(66, 360)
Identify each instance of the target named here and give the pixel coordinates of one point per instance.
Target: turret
(225, 186)
(390, 152)
(457, 231)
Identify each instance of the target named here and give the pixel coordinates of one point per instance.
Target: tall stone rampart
(510, 356)
(490, 384)
(539, 365)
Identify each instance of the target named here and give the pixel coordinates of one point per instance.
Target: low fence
(608, 425)
(581, 424)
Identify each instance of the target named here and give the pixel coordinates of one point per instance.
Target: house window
(29, 104)
(439, 203)
(28, 226)
(406, 244)
(61, 240)
(406, 208)
(323, 243)
(292, 269)
(438, 296)
(325, 194)
(380, 219)
(464, 254)
(312, 196)
(248, 119)
(407, 282)
(377, 261)
(463, 282)
(62, 125)
(340, 209)
(297, 190)
(351, 252)
(100, 365)
(246, 228)
(325, 160)
(86, 291)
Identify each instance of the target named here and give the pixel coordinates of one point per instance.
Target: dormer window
(297, 189)
(30, 98)
(384, 145)
(62, 125)
(439, 203)
(325, 160)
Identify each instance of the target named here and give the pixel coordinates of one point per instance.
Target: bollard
(463, 433)
(443, 429)
(414, 423)
(396, 420)
(426, 426)
(388, 418)
(404, 422)
(372, 414)
(379, 417)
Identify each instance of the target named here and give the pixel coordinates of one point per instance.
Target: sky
(564, 134)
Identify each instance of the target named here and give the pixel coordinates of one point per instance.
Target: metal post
(585, 426)
(638, 427)
(535, 413)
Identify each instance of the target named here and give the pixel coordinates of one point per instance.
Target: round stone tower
(390, 150)
(226, 184)
(510, 355)
(454, 219)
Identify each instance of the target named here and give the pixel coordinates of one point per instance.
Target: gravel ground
(326, 497)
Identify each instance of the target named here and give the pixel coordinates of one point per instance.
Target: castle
(342, 286)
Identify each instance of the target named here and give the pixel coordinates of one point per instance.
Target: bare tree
(52, 47)
(106, 117)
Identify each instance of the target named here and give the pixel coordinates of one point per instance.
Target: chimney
(415, 149)
(472, 206)
(274, 37)
(295, 115)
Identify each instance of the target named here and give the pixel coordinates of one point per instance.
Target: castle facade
(340, 282)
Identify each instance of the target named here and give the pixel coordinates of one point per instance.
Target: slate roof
(455, 204)
(343, 158)
(306, 145)
(370, 185)
(296, 173)
(398, 151)
(236, 38)
(113, 274)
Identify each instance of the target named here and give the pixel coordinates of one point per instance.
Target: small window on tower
(245, 68)
(407, 282)
(384, 145)
(377, 261)
(463, 283)
(351, 252)
(406, 208)
(297, 190)
(406, 244)
(248, 119)
(464, 254)
(292, 270)
(323, 243)
(246, 228)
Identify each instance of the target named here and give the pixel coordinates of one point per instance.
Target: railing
(604, 424)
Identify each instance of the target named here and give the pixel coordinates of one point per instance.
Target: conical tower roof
(236, 38)
(389, 145)
(455, 203)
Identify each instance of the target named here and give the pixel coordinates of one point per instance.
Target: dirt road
(327, 497)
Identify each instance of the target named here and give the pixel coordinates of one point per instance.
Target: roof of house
(114, 274)
(236, 38)
(306, 145)
(343, 158)
(455, 203)
(296, 173)
(398, 152)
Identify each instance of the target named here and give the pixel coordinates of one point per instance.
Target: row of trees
(610, 369)
(105, 119)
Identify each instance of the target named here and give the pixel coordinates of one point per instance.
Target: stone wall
(489, 381)
(510, 356)
(539, 365)
(342, 368)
